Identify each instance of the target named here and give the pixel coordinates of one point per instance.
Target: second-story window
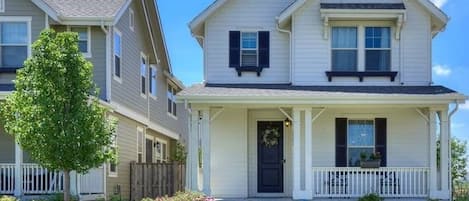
(117, 54)
(13, 44)
(83, 39)
(152, 81)
(143, 75)
(249, 49)
(171, 94)
(377, 48)
(344, 49)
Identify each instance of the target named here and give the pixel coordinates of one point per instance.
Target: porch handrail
(39, 180)
(385, 181)
(7, 178)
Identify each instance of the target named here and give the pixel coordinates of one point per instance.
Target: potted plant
(374, 161)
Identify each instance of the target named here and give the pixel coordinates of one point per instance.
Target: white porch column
(308, 154)
(18, 170)
(432, 152)
(192, 169)
(205, 134)
(444, 154)
(296, 154)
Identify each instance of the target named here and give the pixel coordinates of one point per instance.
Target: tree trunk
(66, 185)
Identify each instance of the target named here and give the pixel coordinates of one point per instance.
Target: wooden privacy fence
(151, 180)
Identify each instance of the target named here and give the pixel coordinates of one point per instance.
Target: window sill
(172, 116)
(255, 69)
(360, 75)
(9, 69)
(117, 79)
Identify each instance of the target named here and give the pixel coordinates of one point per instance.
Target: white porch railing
(7, 178)
(355, 182)
(39, 180)
(92, 182)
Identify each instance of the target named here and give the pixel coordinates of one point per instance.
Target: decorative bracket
(399, 22)
(325, 28)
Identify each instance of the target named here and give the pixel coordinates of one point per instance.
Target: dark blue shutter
(380, 144)
(235, 46)
(341, 142)
(264, 49)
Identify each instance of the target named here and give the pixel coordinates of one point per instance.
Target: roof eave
(437, 14)
(286, 14)
(197, 23)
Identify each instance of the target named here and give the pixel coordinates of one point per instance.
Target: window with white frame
(117, 54)
(161, 151)
(14, 43)
(113, 165)
(143, 74)
(360, 139)
(83, 39)
(377, 48)
(131, 19)
(152, 81)
(140, 144)
(249, 49)
(171, 94)
(344, 49)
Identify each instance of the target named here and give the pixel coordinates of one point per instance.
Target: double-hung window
(117, 54)
(83, 40)
(14, 43)
(360, 139)
(143, 75)
(171, 94)
(152, 81)
(377, 48)
(249, 49)
(344, 49)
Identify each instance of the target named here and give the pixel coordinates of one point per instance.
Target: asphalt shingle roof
(289, 90)
(86, 8)
(362, 6)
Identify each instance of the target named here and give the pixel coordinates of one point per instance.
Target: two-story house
(319, 99)
(124, 41)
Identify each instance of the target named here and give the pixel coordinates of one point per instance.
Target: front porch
(21, 177)
(310, 162)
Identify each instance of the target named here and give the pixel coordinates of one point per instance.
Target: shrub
(184, 196)
(371, 197)
(7, 198)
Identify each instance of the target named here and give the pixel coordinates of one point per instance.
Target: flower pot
(370, 164)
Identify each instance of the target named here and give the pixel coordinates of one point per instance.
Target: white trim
(86, 54)
(117, 78)
(46, 21)
(47, 9)
(26, 19)
(204, 15)
(150, 32)
(131, 19)
(286, 14)
(121, 12)
(144, 120)
(141, 130)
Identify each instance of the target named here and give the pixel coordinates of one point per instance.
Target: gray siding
(24, 8)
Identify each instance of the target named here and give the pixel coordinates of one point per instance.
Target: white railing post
(308, 154)
(18, 170)
(296, 154)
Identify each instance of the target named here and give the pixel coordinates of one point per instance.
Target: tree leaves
(54, 113)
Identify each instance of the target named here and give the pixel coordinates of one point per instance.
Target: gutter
(108, 60)
(291, 48)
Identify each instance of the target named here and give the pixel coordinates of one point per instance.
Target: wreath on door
(270, 137)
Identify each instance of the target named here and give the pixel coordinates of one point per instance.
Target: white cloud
(439, 3)
(441, 70)
(464, 106)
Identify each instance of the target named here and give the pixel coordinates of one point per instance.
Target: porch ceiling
(286, 93)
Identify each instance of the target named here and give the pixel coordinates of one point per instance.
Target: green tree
(54, 113)
(458, 159)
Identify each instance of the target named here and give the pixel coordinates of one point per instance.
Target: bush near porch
(461, 192)
(183, 196)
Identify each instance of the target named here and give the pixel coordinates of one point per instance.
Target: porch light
(287, 122)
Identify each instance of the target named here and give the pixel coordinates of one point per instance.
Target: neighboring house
(125, 42)
(295, 91)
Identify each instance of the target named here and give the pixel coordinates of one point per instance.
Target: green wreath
(270, 137)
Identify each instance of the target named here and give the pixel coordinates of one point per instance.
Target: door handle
(284, 161)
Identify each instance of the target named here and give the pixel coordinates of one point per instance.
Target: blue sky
(450, 54)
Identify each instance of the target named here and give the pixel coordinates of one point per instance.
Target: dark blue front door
(270, 157)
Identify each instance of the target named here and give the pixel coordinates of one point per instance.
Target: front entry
(149, 151)
(270, 157)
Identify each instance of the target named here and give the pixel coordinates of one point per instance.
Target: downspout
(108, 60)
(291, 49)
(449, 144)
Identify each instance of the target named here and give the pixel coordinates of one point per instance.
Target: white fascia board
(121, 11)
(47, 9)
(200, 19)
(89, 21)
(287, 13)
(174, 80)
(434, 10)
(331, 99)
(143, 120)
